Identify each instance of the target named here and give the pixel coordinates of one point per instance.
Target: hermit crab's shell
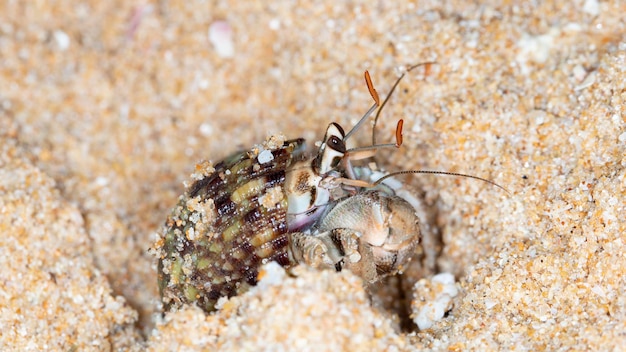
(225, 226)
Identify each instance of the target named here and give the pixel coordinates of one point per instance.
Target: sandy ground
(105, 107)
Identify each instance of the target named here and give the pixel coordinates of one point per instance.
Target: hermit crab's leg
(325, 250)
(347, 249)
(337, 249)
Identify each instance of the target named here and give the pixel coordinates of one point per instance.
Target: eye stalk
(332, 149)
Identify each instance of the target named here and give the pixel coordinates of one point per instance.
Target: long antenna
(380, 180)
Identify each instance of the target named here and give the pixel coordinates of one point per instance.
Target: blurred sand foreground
(105, 107)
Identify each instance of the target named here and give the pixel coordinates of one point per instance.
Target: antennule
(370, 87)
(399, 133)
(393, 88)
(359, 153)
(374, 94)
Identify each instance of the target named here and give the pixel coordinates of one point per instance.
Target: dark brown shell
(224, 227)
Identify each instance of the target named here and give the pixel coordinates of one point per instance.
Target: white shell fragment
(432, 298)
(221, 37)
(271, 274)
(265, 157)
(62, 39)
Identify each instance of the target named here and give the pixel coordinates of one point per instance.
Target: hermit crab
(274, 202)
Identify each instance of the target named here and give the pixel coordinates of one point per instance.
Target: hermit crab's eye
(336, 144)
(332, 150)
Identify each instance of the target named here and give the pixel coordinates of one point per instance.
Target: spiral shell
(225, 226)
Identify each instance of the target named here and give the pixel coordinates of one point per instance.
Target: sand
(106, 107)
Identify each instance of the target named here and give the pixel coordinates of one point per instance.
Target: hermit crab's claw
(387, 230)
(327, 250)
(395, 234)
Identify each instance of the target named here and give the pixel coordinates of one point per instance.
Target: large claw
(387, 227)
(331, 249)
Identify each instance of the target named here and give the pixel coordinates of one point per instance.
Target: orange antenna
(374, 94)
(359, 153)
(409, 69)
(399, 133)
(370, 87)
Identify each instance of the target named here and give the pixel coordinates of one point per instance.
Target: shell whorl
(224, 227)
